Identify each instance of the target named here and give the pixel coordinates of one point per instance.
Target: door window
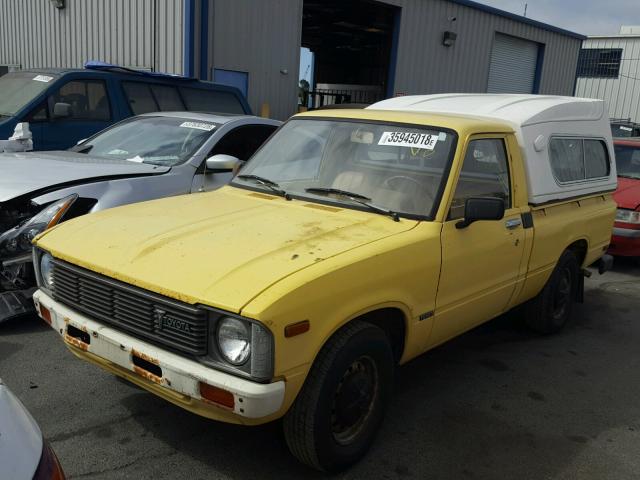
(485, 173)
(86, 100)
(242, 142)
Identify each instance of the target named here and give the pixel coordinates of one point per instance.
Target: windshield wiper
(354, 197)
(270, 184)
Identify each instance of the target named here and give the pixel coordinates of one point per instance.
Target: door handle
(513, 223)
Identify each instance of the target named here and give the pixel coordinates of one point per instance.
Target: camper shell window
(576, 159)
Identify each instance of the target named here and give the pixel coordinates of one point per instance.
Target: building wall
(140, 33)
(261, 38)
(622, 93)
(424, 65)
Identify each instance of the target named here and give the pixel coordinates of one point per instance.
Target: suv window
(202, 100)
(242, 142)
(577, 159)
(485, 173)
(87, 100)
(139, 97)
(167, 97)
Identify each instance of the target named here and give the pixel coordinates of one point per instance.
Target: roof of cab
(458, 122)
(519, 110)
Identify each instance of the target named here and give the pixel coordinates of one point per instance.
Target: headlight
(46, 270)
(627, 216)
(18, 240)
(234, 340)
(240, 345)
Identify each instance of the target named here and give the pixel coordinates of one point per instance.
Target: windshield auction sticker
(207, 127)
(42, 78)
(426, 141)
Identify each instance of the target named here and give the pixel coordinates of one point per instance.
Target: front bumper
(625, 242)
(180, 378)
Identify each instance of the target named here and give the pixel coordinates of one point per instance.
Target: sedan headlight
(627, 216)
(46, 270)
(18, 240)
(241, 345)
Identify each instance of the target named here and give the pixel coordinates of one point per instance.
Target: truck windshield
(399, 168)
(628, 161)
(19, 88)
(157, 140)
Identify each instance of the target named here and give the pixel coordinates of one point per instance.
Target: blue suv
(64, 106)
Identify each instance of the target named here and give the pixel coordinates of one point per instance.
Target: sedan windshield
(157, 140)
(388, 168)
(628, 161)
(18, 89)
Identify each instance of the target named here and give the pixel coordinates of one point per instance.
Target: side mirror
(61, 110)
(481, 209)
(222, 163)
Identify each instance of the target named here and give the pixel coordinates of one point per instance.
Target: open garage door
(352, 44)
(514, 63)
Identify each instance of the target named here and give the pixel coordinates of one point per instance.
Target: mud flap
(16, 304)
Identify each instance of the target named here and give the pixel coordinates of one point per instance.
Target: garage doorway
(515, 65)
(353, 45)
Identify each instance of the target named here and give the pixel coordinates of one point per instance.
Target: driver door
(241, 142)
(480, 263)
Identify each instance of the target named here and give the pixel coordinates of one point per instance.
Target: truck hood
(628, 193)
(221, 248)
(29, 172)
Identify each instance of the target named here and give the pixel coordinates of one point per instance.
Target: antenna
(525, 9)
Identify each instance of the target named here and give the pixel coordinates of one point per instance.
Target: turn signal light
(45, 314)
(217, 395)
(294, 329)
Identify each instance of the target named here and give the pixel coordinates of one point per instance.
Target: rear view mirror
(222, 163)
(61, 110)
(476, 209)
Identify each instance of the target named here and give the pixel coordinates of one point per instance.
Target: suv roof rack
(109, 67)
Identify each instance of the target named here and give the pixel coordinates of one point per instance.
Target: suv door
(480, 263)
(241, 142)
(75, 111)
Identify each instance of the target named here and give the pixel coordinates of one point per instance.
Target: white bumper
(179, 375)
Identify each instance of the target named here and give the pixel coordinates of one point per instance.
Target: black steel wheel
(342, 403)
(551, 309)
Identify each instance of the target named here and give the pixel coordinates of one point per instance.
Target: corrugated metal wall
(424, 65)
(622, 93)
(141, 33)
(261, 38)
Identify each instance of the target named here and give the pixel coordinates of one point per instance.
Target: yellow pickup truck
(352, 242)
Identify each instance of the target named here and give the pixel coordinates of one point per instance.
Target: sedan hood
(25, 173)
(628, 193)
(221, 248)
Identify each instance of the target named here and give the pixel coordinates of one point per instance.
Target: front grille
(145, 314)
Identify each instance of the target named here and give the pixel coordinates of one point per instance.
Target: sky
(588, 17)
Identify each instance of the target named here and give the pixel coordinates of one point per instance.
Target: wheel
(342, 403)
(550, 310)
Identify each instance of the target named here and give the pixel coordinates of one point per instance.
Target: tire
(324, 428)
(549, 311)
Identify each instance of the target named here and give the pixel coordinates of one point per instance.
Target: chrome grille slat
(131, 309)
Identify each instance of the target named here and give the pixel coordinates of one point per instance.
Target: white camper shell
(536, 120)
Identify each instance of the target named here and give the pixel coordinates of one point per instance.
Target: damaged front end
(20, 222)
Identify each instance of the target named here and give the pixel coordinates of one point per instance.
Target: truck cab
(64, 106)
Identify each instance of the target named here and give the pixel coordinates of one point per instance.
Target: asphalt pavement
(496, 403)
